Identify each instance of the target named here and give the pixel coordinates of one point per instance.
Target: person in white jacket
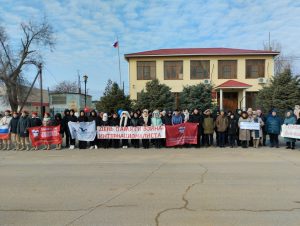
(4, 121)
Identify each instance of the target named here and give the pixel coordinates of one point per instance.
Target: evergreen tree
(282, 93)
(196, 96)
(156, 96)
(113, 99)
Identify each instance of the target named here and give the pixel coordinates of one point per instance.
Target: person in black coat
(65, 127)
(125, 122)
(196, 117)
(232, 130)
(34, 120)
(13, 125)
(93, 117)
(72, 118)
(115, 121)
(167, 119)
(82, 118)
(135, 121)
(58, 122)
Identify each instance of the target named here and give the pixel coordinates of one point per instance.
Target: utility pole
(79, 82)
(41, 89)
(269, 41)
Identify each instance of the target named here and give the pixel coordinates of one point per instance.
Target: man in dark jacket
(13, 125)
(65, 127)
(232, 130)
(34, 120)
(167, 119)
(197, 118)
(23, 125)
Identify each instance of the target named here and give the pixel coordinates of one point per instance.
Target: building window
(59, 99)
(146, 70)
(200, 69)
(251, 100)
(173, 70)
(255, 68)
(227, 69)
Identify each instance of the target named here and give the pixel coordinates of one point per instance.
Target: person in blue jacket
(274, 128)
(290, 119)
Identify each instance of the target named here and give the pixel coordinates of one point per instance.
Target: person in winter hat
(58, 122)
(232, 130)
(115, 121)
(72, 118)
(244, 134)
(156, 121)
(125, 122)
(145, 120)
(264, 132)
(290, 119)
(273, 128)
(134, 122)
(222, 125)
(208, 128)
(196, 117)
(13, 125)
(256, 134)
(5, 121)
(22, 130)
(93, 117)
(65, 127)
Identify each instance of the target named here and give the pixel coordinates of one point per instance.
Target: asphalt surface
(127, 187)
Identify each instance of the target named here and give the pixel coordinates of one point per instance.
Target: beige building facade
(235, 74)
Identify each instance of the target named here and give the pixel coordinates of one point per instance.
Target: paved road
(206, 187)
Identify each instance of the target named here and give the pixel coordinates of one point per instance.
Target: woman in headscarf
(82, 118)
(290, 119)
(125, 122)
(244, 134)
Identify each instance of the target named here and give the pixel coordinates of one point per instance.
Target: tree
(282, 93)
(156, 96)
(113, 99)
(12, 62)
(196, 96)
(281, 62)
(66, 87)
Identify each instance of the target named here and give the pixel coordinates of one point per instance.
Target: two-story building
(235, 74)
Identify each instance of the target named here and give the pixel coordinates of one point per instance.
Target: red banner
(185, 133)
(45, 135)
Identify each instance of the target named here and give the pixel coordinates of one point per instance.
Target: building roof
(233, 84)
(200, 52)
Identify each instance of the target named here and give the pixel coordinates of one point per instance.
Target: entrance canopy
(231, 101)
(233, 84)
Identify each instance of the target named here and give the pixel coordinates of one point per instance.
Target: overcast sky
(86, 29)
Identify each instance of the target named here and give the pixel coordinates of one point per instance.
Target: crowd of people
(223, 127)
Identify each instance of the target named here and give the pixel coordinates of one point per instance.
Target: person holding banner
(125, 122)
(93, 117)
(244, 134)
(13, 125)
(256, 134)
(58, 122)
(135, 122)
(46, 122)
(72, 118)
(22, 130)
(115, 122)
(156, 121)
(34, 121)
(4, 123)
(196, 117)
(65, 127)
(290, 119)
(273, 128)
(103, 122)
(176, 118)
(145, 120)
(82, 118)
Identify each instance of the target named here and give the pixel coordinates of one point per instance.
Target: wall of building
(177, 85)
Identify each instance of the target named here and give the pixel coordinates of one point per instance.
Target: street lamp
(85, 78)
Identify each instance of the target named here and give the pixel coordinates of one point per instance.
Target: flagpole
(119, 62)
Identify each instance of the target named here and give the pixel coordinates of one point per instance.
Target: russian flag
(4, 132)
